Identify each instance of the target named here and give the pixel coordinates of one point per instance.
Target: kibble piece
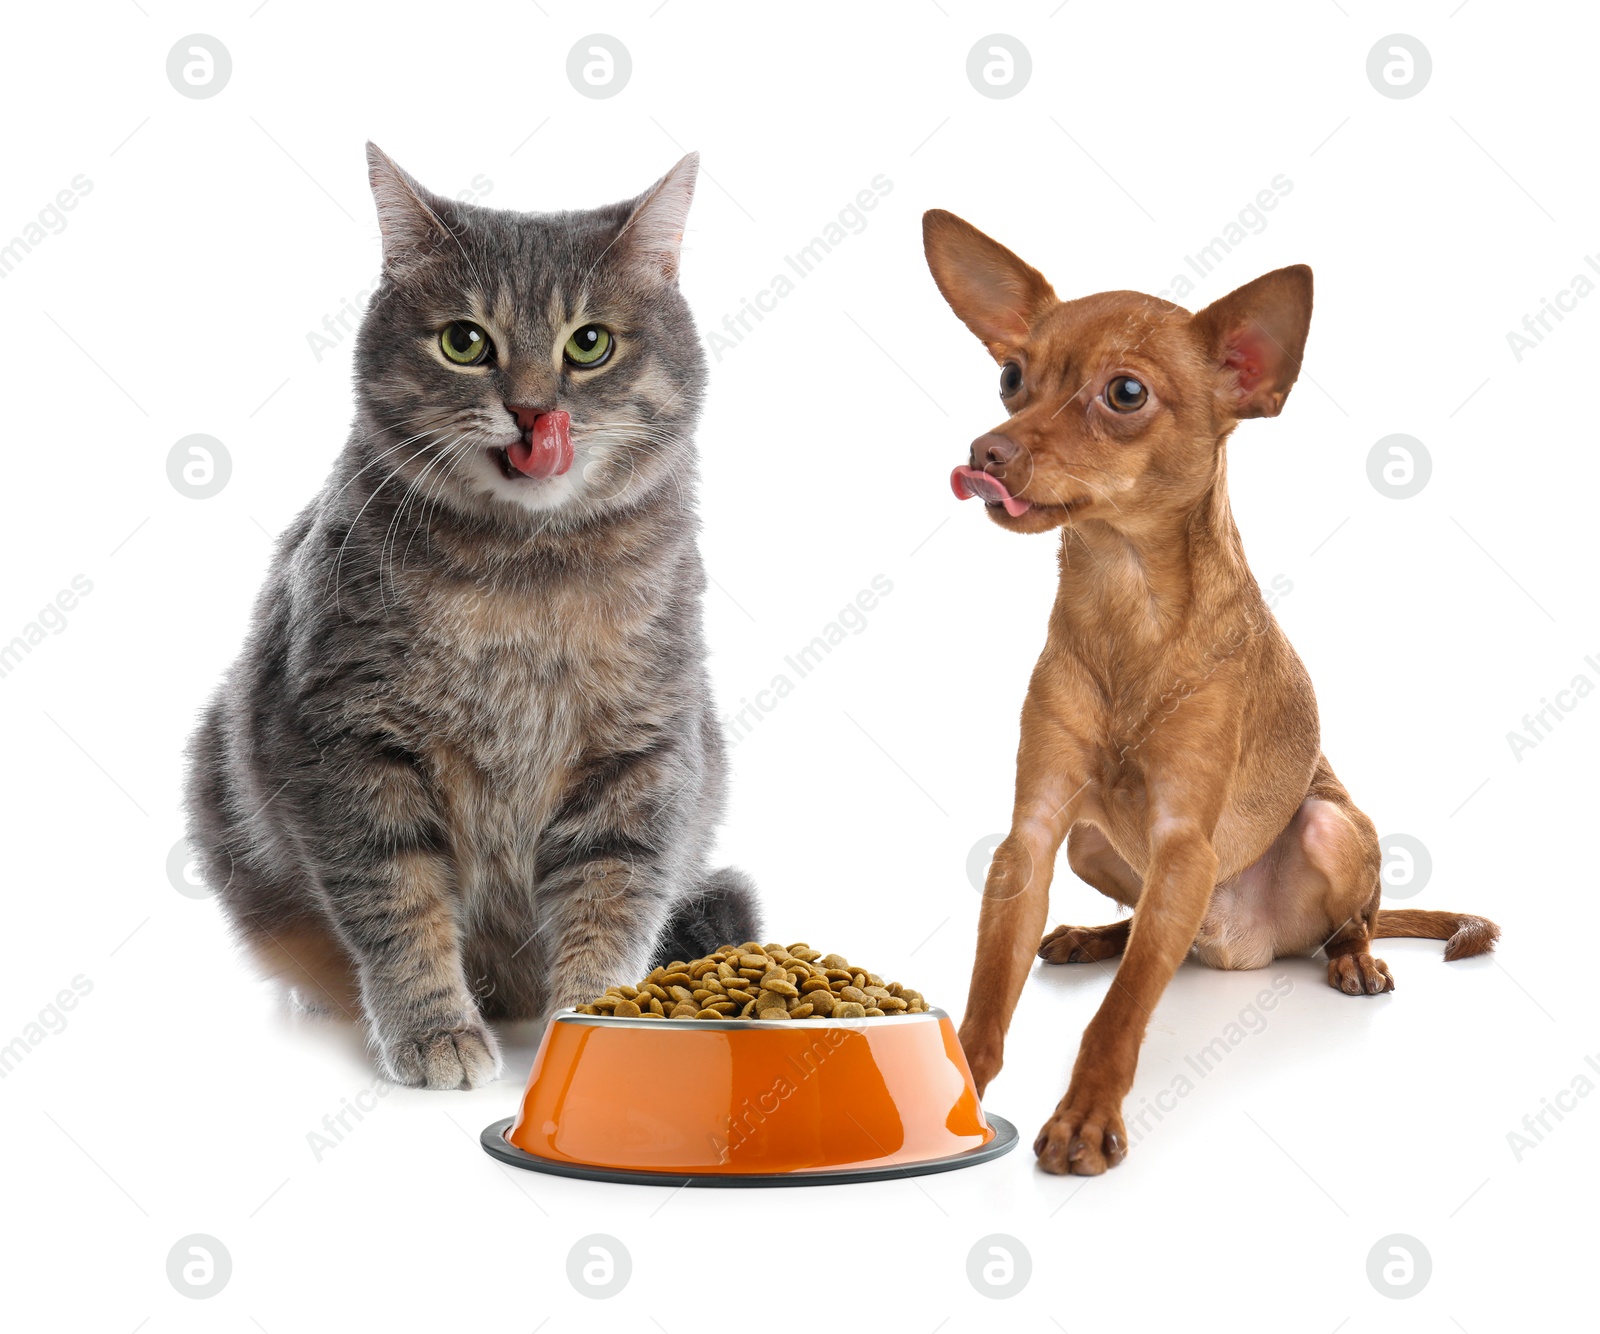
(756, 981)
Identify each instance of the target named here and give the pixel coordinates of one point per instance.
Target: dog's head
(1118, 403)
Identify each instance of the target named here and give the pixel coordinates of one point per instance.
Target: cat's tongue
(968, 482)
(548, 450)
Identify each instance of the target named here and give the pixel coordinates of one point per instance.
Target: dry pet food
(753, 981)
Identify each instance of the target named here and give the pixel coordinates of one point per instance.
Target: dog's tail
(1465, 934)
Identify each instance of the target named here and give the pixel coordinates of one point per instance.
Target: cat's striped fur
(467, 764)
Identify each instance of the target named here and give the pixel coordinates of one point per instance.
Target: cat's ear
(653, 236)
(411, 229)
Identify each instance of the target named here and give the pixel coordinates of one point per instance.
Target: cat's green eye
(465, 343)
(588, 347)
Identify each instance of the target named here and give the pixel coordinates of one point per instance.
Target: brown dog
(1169, 726)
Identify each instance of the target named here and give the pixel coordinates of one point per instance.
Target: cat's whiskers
(383, 454)
(615, 435)
(424, 523)
(386, 546)
(453, 455)
(338, 563)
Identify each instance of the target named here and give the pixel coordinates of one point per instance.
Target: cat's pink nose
(527, 418)
(545, 449)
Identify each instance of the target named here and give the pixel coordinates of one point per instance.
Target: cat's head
(517, 364)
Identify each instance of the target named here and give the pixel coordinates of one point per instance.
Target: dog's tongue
(548, 450)
(968, 482)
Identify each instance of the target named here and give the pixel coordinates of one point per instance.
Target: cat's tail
(722, 911)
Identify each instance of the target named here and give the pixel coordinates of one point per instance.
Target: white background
(178, 1100)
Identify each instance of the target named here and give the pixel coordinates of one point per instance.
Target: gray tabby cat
(467, 765)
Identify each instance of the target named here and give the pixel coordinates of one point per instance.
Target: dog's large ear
(1256, 337)
(996, 295)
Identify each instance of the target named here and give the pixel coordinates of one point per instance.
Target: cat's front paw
(464, 1056)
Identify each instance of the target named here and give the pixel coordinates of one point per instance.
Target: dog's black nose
(993, 448)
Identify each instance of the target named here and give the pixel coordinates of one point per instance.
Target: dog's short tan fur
(1169, 727)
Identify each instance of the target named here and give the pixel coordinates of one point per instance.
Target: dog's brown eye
(1125, 394)
(1010, 379)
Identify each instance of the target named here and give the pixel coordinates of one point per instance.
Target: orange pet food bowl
(741, 1102)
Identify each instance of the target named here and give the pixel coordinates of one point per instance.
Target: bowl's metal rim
(571, 1016)
(496, 1145)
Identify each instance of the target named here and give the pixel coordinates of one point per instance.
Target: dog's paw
(1082, 1138)
(1359, 975)
(1080, 944)
(463, 1056)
